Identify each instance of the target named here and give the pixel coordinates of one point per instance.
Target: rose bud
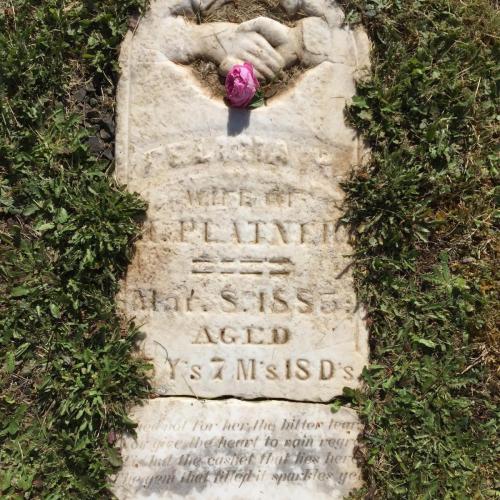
(241, 85)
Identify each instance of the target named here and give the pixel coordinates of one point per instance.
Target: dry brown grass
(239, 11)
(207, 74)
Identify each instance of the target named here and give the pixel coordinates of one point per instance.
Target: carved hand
(286, 41)
(318, 8)
(269, 45)
(228, 44)
(191, 7)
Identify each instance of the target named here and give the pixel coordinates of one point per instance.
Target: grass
(66, 370)
(239, 11)
(421, 212)
(422, 215)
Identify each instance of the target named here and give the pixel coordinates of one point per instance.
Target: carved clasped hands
(269, 45)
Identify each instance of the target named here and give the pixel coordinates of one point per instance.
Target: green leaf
(55, 310)
(128, 422)
(114, 457)
(257, 101)
(44, 226)
(62, 216)
(10, 362)
(13, 428)
(20, 291)
(359, 102)
(335, 406)
(425, 342)
(25, 481)
(5, 480)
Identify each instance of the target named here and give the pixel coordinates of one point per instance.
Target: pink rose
(241, 85)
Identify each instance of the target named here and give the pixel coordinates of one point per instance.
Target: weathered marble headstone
(242, 279)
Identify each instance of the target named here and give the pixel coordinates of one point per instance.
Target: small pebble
(80, 95)
(105, 135)
(95, 145)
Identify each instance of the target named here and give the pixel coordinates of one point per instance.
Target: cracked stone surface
(242, 280)
(207, 450)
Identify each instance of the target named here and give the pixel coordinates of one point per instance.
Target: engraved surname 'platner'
(249, 232)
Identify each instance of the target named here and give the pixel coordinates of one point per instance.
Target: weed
(66, 367)
(422, 216)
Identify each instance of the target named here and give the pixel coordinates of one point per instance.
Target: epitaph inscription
(239, 450)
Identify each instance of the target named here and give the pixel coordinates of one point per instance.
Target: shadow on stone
(237, 121)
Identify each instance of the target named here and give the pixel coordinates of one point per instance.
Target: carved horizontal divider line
(244, 266)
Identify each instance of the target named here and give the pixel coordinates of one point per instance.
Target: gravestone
(241, 281)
